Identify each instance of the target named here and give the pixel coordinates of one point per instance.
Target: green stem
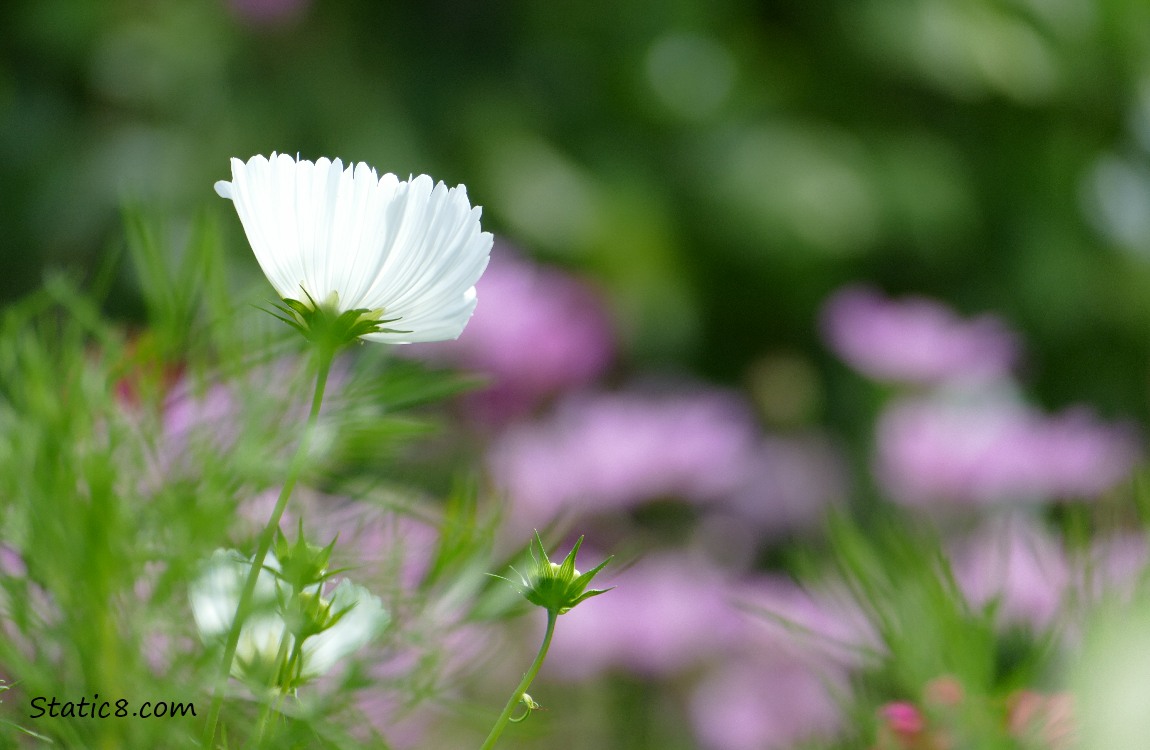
(324, 357)
(528, 678)
(284, 664)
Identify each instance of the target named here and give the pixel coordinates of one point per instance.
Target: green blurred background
(719, 167)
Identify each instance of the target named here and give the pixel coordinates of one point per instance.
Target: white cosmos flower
(364, 617)
(266, 636)
(215, 597)
(409, 251)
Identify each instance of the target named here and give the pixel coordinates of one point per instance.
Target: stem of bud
(528, 678)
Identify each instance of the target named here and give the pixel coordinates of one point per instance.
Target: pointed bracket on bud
(304, 568)
(557, 587)
(301, 563)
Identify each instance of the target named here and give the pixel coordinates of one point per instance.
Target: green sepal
(324, 325)
(302, 565)
(558, 587)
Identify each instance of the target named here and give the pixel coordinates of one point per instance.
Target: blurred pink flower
(791, 482)
(1115, 566)
(915, 340)
(762, 702)
(431, 647)
(549, 333)
(904, 721)
(188, 414)
(775, 684)
(1046, 720)
(403, 727)
(825, 628)
(28, 610)
(12, 566)
(11, 562)
(614, 451)
(409, 688)
(1017, 564)
(253, 412)
(390, 546)
(989, 447)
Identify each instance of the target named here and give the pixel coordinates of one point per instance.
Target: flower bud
(558, 587)
(302, 565)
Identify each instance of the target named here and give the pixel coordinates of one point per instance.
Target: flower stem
(517, 696)
(284, 663)
(324, 358)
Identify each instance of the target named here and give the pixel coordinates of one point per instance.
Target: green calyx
(301, 563)
(558, 587)
(304, 568)
(324, 325)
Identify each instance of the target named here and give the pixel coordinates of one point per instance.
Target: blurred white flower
(364, 618)
(406, 254)
(353, 618)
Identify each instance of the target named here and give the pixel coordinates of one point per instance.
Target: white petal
(259, 642)
(413, 249)
(215, 595)
(429, 281)
(364, 620)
